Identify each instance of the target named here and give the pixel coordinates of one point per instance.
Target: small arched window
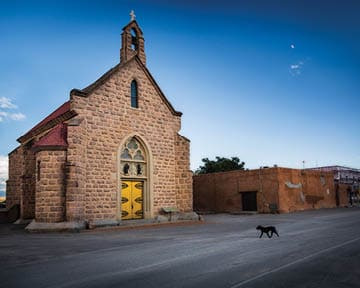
(134, 94)
(134, 39)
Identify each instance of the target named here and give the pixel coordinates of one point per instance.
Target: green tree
(221, 164)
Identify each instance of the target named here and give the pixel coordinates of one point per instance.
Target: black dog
(269, 230)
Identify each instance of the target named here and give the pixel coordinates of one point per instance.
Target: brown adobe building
(266, 190)
(110, 153)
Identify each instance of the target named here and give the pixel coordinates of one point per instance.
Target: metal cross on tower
(132, 15)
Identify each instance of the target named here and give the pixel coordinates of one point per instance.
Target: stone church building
(112, 152)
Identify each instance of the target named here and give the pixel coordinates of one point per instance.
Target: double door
(132, 200)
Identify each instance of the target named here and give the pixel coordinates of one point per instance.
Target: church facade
(112, 152)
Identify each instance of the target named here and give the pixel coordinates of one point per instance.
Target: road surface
(315, 249)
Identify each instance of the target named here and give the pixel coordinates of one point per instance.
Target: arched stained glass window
(125, 154)
(132, 159)
(134, 94)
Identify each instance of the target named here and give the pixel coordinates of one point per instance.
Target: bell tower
(132, 41)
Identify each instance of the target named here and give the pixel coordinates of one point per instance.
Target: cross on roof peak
(132, 15)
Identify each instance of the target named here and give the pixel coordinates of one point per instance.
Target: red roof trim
(63, 110)
(56, 137)
(59, 111)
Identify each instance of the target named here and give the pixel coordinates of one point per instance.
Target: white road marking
(293, 263)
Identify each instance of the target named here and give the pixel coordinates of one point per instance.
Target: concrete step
(244, 213)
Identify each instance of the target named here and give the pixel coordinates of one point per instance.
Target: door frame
(148, 209)
(243, 200)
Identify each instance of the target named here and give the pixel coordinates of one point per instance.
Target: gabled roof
(56, 138)
(89, 89)
(59, 111)
(58, 116)
(64, 112)
(130, 24)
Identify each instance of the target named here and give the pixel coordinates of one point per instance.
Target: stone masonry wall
(27, 208)
(50, 180)
(108, 121)
(76, 169)
(14, 184)
(183, 176)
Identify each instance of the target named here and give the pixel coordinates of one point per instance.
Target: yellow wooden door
(126, 200)
(131, 200)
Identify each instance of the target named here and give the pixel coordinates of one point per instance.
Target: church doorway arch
(134, 201)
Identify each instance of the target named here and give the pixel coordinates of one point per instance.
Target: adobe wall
(305, 189)
(204, 193)
(14, 183)
(222, 192)
(265, 182)
(50, 189)
(288, 189)
(106, 119)
(343, 194)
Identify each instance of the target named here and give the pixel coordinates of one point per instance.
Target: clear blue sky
(272, 82)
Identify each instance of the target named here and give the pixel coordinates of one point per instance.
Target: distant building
(344, 175)
(347, 180)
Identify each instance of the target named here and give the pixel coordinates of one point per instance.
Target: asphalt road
(315, 249)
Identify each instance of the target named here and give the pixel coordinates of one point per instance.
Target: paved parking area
(315, 249)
